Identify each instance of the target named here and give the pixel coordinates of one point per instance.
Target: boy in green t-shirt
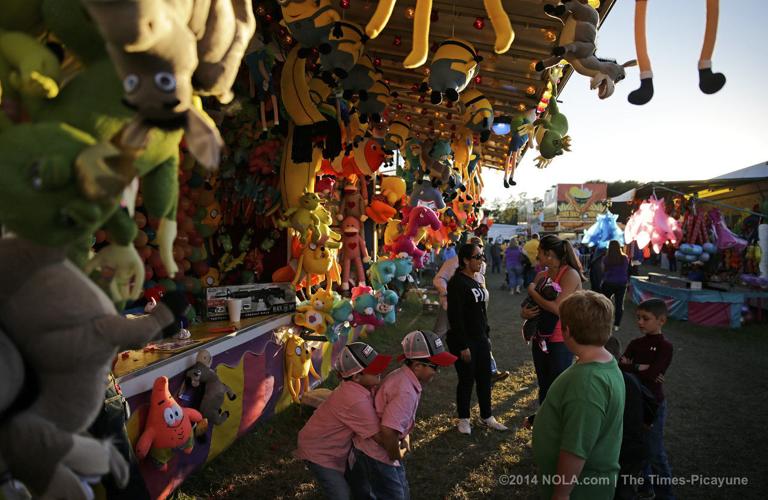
(577, 436)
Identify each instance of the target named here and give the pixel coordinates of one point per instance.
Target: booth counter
(249, 360)
(701, 307)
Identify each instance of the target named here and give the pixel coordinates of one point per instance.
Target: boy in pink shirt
(379, 471)
(326, 439)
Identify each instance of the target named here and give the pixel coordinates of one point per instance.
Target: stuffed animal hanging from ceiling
(709, 82)
(476, 113)
(315, 314)
(453, 67)
(347, 43)
(361, 77)
(310, 23)
(422, 16)
(166, 52)
(379, 97)
(260, 60)
(316, 261)
(577, 46)
(518, 138)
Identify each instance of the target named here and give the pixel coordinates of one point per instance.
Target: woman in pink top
(564, 268)
(326, 440)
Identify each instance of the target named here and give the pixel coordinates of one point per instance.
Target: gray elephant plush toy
(215, 389)
(66, 332)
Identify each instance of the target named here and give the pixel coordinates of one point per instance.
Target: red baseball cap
(425, 345)
(359, 357)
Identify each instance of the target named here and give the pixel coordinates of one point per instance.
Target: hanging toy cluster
(650, 224)
(603, 231)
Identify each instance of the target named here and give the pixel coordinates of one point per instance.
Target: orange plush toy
(168, 427)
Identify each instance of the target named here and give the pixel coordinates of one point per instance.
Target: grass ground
(717, 389)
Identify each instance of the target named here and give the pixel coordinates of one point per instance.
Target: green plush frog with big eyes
(551, 134)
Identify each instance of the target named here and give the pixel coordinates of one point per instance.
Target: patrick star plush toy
(168, 427)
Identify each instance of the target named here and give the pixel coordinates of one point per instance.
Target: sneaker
(499, 375)
(464, 426)
(616, 328)
(492, 423)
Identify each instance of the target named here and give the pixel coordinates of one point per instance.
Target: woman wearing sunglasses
(468, 338)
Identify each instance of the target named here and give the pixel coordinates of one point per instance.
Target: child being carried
(542, 326)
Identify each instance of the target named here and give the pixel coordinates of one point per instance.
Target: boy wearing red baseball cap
(378, 471)
(326, 439)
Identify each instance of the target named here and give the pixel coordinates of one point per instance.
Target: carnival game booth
(723, 273)
(166, 166)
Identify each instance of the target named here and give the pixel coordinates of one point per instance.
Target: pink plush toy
(405, 245)
(725, 237)
(352, 251)
(651, 224)
(419, 217)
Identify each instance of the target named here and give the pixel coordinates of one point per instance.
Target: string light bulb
(410, 12)
(479, 23)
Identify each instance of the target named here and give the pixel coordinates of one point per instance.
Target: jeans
(332, 482)
(549, 365)
(515, 276)
(617, 292)
(373, 480)
(475, 373)
(495, 264)
(658, 463)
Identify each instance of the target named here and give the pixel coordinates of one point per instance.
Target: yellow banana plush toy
(453, 67)
(294, 91)
(421, 23)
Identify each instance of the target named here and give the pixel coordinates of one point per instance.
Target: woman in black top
(468, 338)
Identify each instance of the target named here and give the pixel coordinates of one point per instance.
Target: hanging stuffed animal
(709, 82)
(386, 307)
(403, 270)
(421, 21)
(316, 260)
(353, 252)
(352, 203)
(379, 97)
(476, 113)
(215, 390)
(347, 43)
(453, 67)
(303, 217)
(343, 317)
(164, 54)
(364, 314)
(298, 366)
(361, 77)
(550, 133)
(396, 136)
(42, 442)
(260, 60)
(424, 193)
(310, 23)
(381, 273)
(603, 231)
(518, 138)
(29, 71)
(420, 217)
(577, 46)
(650, 224)
(316, 313)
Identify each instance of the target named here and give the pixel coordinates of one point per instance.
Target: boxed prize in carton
(259, 299)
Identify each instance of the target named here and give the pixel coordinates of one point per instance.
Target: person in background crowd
(531, 249)
(670, 250)
(514, 266)
(379, 472)
(577, 434)
(440, 282)
(615, 279)
(495, 257)
(596, 269)
(649, 357)
(563, 268)
(326, 439)
(468, 338)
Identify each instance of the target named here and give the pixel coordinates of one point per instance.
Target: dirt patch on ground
(717, 388)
